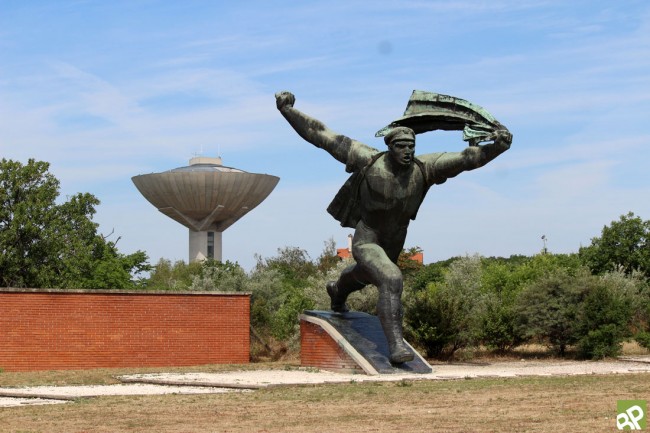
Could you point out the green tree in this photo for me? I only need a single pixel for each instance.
(166, 275)
(219, 276)
(427, 274)
(624, 244)
(293, 263)
(45, 244)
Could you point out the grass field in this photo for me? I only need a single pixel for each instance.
(548, 404)
(543, 404)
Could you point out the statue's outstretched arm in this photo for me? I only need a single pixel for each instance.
(453, 163)
(312, 130)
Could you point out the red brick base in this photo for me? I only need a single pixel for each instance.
(319, 350)
(54, 329)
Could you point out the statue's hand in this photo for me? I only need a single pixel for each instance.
(284, 99)
(502, 135)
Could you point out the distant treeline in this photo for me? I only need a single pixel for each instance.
(588, 303)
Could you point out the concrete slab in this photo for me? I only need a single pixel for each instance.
(62, 394)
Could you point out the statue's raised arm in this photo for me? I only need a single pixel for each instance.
(312, 130)
(451, 164)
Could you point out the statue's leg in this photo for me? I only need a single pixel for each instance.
(347, 283)
(379, 270)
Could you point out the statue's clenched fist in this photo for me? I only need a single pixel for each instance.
(503, 135)
(284, 99)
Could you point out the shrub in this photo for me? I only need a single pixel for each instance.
(600, 343)
(217, 276)
(166, 275)
(643, 338)
(548, 309)
(445, 317)
(604, 322)
(427, 320)
(501, 285)
(278, 287)
(499, 330)
(592, 312)
(503, 280)
(431, 273)
(633, 292)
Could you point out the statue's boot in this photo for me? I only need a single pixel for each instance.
(337, 297)
(341, 289)
(390, 316)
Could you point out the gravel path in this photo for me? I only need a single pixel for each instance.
(243, 381)
(265, 378)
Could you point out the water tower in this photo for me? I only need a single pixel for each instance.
(205, 197)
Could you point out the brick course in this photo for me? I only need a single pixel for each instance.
(319, 350)
(55, 329)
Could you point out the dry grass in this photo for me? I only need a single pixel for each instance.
(560, 404)
(570, 404)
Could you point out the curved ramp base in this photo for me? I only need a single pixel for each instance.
(351, 341)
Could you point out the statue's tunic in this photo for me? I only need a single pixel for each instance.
(371, 190)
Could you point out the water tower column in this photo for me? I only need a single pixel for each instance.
(205, 245)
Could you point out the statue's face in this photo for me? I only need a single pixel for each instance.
(402, 151)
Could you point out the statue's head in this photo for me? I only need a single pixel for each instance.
(401, 145)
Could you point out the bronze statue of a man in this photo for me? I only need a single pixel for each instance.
(379, 200)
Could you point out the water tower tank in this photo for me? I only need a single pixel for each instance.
(205, 197)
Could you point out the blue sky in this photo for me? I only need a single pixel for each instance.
(105, 90)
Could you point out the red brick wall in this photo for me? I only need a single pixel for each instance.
(319, 350)
(53, 329)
